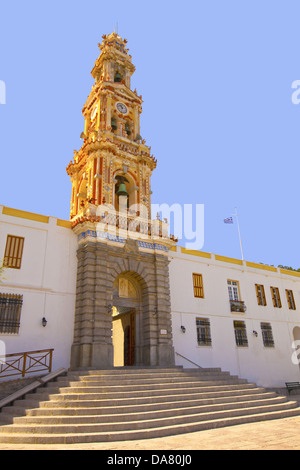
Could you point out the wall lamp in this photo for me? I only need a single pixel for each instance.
(255, 333)
(44, 322)
(183, 329)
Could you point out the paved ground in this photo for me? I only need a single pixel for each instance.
(283, 434)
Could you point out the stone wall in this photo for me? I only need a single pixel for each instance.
(8, 387)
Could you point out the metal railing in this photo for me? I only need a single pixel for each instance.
(26, 362)
(194, 363)
(237, 306)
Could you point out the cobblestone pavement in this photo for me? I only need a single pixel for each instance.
(282, 434)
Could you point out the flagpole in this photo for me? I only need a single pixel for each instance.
(237, 219)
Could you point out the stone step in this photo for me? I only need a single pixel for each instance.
(142, 423)
(97, 393)
(132, 380)
(92, 387)
(136, 380)
(37, 437)
(110, 382)
(9, 413)
(126, 415)
(141, 408)
(127, 406)
(138, 403)
(49, 439)
(209, 392)
(143, 372)
(100, 394)
(137, 370)
(147, 373)
(136, 384)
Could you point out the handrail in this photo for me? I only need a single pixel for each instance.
(197, 365)
(26, 362)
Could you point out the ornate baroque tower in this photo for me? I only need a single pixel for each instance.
(122, 312)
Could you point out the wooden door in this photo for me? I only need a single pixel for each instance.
(129, 341)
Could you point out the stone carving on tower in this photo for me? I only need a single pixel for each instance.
(110, 204)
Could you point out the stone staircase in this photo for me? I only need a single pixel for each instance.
(132, 403)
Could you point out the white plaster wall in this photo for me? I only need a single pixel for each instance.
(47, 281)
(269, 367)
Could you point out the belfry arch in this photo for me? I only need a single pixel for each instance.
(128, 183)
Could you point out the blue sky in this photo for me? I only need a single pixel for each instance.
(216, 79)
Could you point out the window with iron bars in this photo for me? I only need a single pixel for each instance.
(290, 299)
(261, 296)
(276, 297)
(267, 335)
(240, 333)
(203, 332)
(10, 313)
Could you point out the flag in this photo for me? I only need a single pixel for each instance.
(229, 220)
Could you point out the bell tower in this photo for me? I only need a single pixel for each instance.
(114, 159)
(119, 244)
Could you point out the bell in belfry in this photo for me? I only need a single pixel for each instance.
(118, 77)
(122, 191)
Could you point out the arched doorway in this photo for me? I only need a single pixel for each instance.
(296, 346)
(126, 318)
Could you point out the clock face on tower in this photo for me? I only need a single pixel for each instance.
(121, 108)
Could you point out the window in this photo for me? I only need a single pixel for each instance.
(198, 286)
(276, 297)
(203, 332)
(10, 312)
(13, 252)
(233, 290)
(267, 335)
(240, 333)
(290, 299)
(236, 305)
(260, 293)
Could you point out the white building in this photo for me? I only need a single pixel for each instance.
(64, 285)
(40, 253)
(237, 315)
(228, 313)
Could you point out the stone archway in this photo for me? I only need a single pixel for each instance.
(100, 265)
